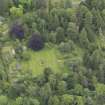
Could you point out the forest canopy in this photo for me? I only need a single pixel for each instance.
(52, 52)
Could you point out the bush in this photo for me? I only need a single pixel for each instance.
(36, 42)
(66, 47)
(16, 12)
(25, 56)
(17, 31)
(63, 47)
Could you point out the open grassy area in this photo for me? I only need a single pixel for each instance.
(42, 59)
(48, 57)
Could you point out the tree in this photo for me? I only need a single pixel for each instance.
(67, 4)
(26, 3)
(5, 62)
(66, 47)
(45, 93)
(42, 25)
(66, 99)
(71, 15)
(30, 101)
(101, 73)
(88, 19)
(91, 34)
(3, 100)
(88, 101)
(61, 87)
(96, 59)
(63, 47)
(19, 101)
(39, 4)
(70, 81)
(82, 10)
(72, 32)
(54, 100)
(4, 6)
(16, 12)
(36, 42)
(17, 31)
(60, 36)
(53, 82)
(16, 2)
(100, 100)
(52, 37)
(47, 72)
(88, 3)
(78, 90)
(16, 90)
(97, 19)
(98, 4)
(83, 40)
(53, 21)
(103, 16)
(50, 5)
(89, 26)
(78, 100)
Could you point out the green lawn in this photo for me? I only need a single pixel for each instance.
(42, 59)
(48, 57)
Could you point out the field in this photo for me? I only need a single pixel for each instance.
(49, 57)
(42, 59)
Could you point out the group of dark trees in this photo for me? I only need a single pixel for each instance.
(58, 22)
(36, 42)
(46, 89)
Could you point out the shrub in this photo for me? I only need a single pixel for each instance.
(36, 42)
(16, 12)
(17, 31)
(25, 56)
(66, 47)
(60, 37)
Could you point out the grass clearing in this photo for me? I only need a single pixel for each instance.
(42, 59)
(47, 57)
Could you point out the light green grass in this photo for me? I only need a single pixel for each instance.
(42, 59)
(48, 57)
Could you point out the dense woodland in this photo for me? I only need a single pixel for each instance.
(52, 52)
